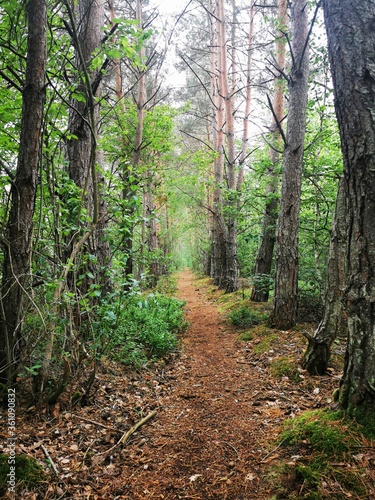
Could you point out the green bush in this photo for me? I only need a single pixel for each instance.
(137, 329)
(244, 317)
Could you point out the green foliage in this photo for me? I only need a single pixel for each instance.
(246, 336)
(27, 471)
(244, 317)
(135, 329)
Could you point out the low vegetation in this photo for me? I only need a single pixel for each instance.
(140, 328)
(324, 456)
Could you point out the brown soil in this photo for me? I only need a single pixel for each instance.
(218, 410)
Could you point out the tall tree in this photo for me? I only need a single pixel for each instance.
(219, 226)
(263, 262)
(351, 38)
(286, 281)
(82, 146)
(317, 353)
(17, 240)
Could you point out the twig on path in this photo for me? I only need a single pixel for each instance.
(231, 446)
(273, 451)
(131, 431)
(45, 451)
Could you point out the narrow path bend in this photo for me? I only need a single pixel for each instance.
(204, 442)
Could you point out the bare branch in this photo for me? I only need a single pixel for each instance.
(278, 124)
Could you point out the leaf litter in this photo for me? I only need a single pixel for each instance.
(215, 414)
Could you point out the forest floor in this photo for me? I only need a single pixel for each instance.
(214, 412)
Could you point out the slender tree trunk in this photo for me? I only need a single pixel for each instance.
(82, 148)
(231, 275)
(351, 39)
(318, 351)
(263, 262)
(286, 283)
(17, 242)
(219, 229)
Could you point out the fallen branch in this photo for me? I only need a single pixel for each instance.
(54, 468)
(130, 432)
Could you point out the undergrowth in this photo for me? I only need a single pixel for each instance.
(140, 328)
(321, 458)
(244, 317)
(28, 473)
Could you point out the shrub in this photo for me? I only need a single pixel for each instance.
(244, 317)
(137, 329)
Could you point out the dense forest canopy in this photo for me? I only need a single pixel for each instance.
(135, 142)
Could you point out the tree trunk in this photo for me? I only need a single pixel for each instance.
(219, 229)
(82, 147)
(284, 314)
(351, 39)
(263, 262)
(317, 354)
(19, 231)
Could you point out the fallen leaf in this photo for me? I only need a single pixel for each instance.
(194, 477)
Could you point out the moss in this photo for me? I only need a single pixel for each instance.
(365, 417)
(27, 471)
(285, 367)
(266, 343)
(322, 430)
(324, 442)
(246, 336)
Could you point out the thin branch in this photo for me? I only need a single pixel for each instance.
(309, 34)
(278, 124)
(10, 81)
(200, 81)
(290, 47)
(197, 139)
(131, 431)
(48, 456)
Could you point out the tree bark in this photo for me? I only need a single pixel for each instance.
(230, 205)
(317, 354)
(82, 147)
(18, 236)
(351, 39)
(263, 262)
(284, 314)
(219, 227)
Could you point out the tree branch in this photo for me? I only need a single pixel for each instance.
(278, 124)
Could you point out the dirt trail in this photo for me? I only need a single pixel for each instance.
(204, 442)
(218, 408)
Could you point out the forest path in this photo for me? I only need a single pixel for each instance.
(218, 410)
(204, 443)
